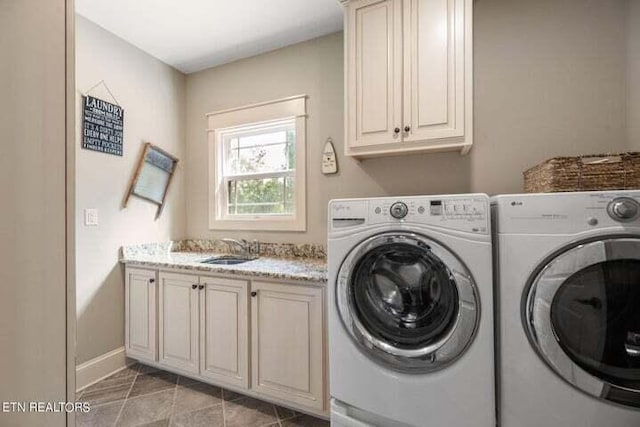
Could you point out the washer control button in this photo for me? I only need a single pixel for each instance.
(399, 210)
(593, 221)
(378, 210)
(421, 210)
(623, 209)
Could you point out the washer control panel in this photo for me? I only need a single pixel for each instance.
(463, 213)
(467, 213)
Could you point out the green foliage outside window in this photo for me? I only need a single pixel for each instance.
(264, 196)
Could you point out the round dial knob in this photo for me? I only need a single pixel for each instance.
(399, 210)
(623, 209)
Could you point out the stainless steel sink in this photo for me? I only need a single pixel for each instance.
(226, 260)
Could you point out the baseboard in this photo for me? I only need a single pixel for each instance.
(96, 369)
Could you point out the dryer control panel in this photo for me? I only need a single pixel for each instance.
(567, 213)
(468, 213)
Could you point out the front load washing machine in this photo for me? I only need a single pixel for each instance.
(568, 286)
(410, 312)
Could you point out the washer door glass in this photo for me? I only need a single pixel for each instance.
(407, 301)
(404, 294)
(583, 311)
(596, 315)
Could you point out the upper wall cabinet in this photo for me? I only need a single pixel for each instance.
(408, 76)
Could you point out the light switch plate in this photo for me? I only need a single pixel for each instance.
(91, 217)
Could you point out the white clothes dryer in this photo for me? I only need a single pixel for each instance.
(568, 286)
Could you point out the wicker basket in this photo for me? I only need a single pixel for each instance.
(585, 173)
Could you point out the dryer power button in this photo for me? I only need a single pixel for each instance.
(623, 209)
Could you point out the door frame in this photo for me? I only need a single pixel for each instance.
(70, 203)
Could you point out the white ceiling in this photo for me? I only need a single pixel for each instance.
(191, 35)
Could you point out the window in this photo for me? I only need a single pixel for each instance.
(257, 162)
(258, 169)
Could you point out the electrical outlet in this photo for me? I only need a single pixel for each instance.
(91, 217)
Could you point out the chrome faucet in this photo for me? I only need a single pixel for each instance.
(244, 246)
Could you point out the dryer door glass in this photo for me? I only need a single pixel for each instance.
(583, 313)
(407, 301)
(404, 294)
(596, 315)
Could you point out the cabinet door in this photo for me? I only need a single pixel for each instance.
(287, 343)
(178, 321)
(437, 69)
(374, 72)
(224, 334)
(140, 314)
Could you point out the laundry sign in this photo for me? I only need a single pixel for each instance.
(102, 126)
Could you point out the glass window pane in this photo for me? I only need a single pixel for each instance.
(265, 137)
(268, 150)
(289, 194)
(260, 150)
(261, 196)
(231, 191)
(230, 153)
(291, 149)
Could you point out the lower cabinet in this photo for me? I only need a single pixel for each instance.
(140, 314)
(224, 333)
(287, 343)
(263, 337)
(178, 321)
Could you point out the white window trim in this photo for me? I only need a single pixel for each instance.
(221, 122)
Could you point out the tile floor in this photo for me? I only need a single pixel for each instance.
(145, 396)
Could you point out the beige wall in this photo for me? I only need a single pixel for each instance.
(633, 74)
(32, 190)
(152, 95)
(549, 80)
(314, 68)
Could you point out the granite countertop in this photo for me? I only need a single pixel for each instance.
(290, 262)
